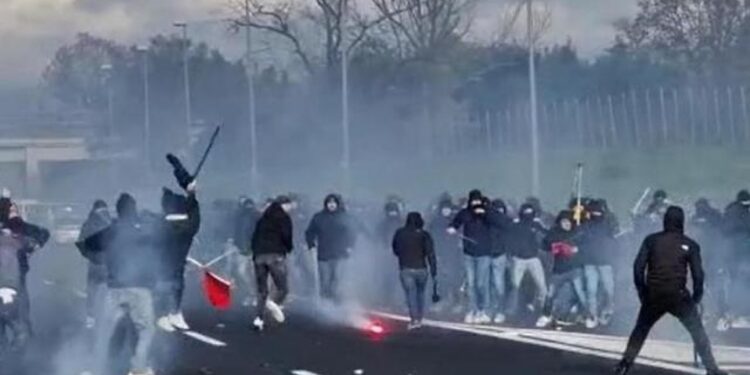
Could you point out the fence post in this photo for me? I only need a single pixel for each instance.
(589, 131)
(663, 115)
(649, 127)
(625, 117)
(600, 126)
(676, 124)
(612, 122)
(579, 124)
(730, 98)
(488, 130)
(634, 104)
(717, 118)
(746, 120)
(693, 124)
(706, 114)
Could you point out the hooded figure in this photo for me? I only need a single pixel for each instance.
(415, 251)
(526, 237)
(131, 254)
(331, 232)
(96, 277)
(245, 220)
(178, 226)
(448, 252)
(660, 274)
(271, 243)
(478, 222)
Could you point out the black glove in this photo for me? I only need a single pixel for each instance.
(180, 173)
(435, 296)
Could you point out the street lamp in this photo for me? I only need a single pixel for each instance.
(250, 72)
(106, 70)
(146, 106)
(535, 175)
(345, 147)
(186, 73)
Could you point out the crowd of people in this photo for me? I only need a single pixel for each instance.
(490, 261)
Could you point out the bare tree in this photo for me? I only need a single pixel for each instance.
(425, 28)
(695, 31)
(341, 24)
(511, 30)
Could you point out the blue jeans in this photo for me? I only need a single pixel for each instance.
(329, 273)
(595, 275)
(414, 282)
(138, 305)
(566, 289)
(496, 286)
(519, 268)
(477, 282)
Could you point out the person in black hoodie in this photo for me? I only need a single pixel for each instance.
(660, 274)
(566, 285)
(130, 253)
(737, 233)
(96, 277)
(414, 248)
(448, 253)
(271, 243)
(477, 221)
(599, 249)
(525, 241)
(331, 233)
(179, 224)
(240, 263)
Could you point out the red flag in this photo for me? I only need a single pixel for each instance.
(218, 290)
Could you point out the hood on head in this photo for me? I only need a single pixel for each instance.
(392, 208)
(5, 204)
(333, 197)
(475, 195)
(500, 206)
(674, 220)
(660, 195)
(414, 220)
(744, 197)
(527, 212)
(565, 215)
(126, 206)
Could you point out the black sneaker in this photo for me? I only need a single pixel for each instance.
(622, 368)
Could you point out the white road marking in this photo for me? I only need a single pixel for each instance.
(205, 339)
(302, 372)
(658, 354)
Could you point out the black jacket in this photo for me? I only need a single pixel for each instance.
(525, 239)
(36, 237)
(478, 229)
(562, 263)
(332, 233)
(598, 244)
(414, 247)
(97, 221)
(177, 230)
(130, 251)
(662, 264)
(273, 232)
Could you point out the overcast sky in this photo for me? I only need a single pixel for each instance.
(31, 30)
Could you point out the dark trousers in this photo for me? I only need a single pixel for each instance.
(329, 273)
(682, 307)
(272, 265)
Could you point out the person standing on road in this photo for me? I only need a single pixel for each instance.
(96, 277)
(660, 274)
(331, 232)
(477, 221)
(415, 251)
(526, 238)
(271, 243)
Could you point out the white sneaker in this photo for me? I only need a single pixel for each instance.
(591, 323)
(470, 318)
(146, 372)
(543, 321)
(483, 318)
(178, 321)
(276, 312)
(165, 323)
(723, 325)
(499, 318)
(258, 324)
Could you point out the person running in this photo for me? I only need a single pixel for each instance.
(416, 253)
(271, 244)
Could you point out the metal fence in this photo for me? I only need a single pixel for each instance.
(633, 119)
